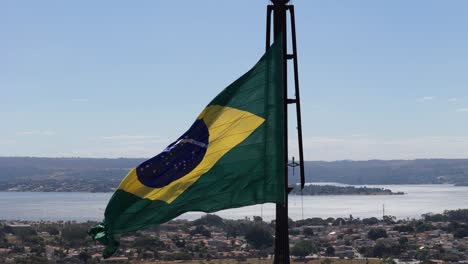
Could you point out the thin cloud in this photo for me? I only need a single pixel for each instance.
(426, 98)
(128, 151)
(462, 109)
(37, 133)
(129, 137)
(116, 146)
(453, 100)
(130, 140)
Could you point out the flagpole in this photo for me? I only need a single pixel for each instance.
(281, 227)
(279, 10)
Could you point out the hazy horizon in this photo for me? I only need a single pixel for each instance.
(143, 158)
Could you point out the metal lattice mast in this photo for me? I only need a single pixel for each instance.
(279, 9)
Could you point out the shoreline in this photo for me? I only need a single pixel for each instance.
(333, 194)
(321, 184)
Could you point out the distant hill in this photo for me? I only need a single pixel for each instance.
(63, 174)
(419, 171)
(26, 167)
(87, 174)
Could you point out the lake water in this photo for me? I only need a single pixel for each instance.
(419, 199)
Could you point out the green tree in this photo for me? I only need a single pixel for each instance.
(201, 230)
(389, 219)
(308, 232)
(339, 221)
(422, 254)
(231, 229)
(84, 257)
(257, 219)
(370, 221)
(404, 228)
(330, 251)
(302, 249)
(149, 243)
(180, 243)
(209, 220)
(386, 249)
(75, 234)
(52, 230)
(457, 215)
(259, 236)
(423, 226)
(376, 233)
(24, 233)
(448, 257)
(461, 233)
(403, 241)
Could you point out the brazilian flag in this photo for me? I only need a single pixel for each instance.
(231, 156)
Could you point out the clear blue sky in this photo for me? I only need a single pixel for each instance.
(379, 79)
